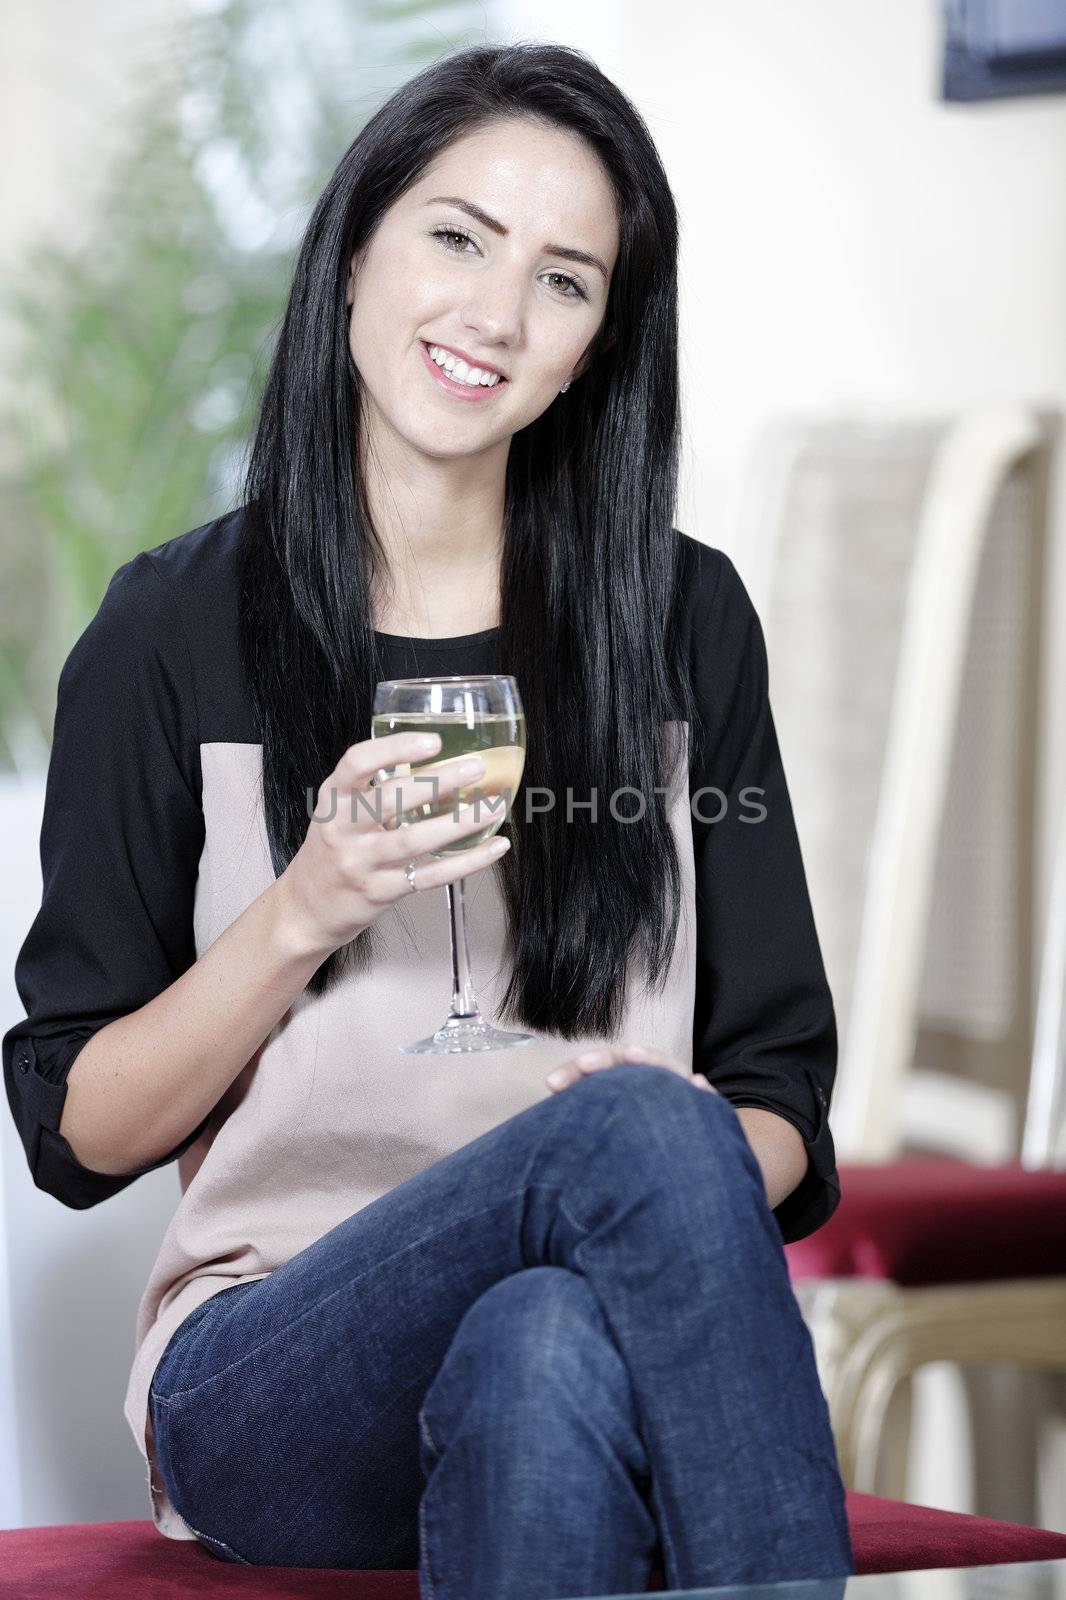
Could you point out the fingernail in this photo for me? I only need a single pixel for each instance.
(429, 742)
(499, 847)
(556, 1078)
(588, 1058)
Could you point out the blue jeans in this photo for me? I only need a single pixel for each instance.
(565, 1350)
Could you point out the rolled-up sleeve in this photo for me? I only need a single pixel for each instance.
(764, 1026)
(120, 845)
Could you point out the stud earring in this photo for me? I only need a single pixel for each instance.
(565, 386)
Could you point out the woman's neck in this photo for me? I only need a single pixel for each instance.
(457, 600)
(440, 525)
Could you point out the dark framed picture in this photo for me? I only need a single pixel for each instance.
(1003, 47)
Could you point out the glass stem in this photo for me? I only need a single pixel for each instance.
(464, 1000)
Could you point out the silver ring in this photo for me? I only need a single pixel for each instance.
(409, 871)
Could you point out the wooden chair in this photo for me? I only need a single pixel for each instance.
(898, 564)
(955, 1261)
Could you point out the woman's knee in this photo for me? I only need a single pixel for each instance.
(653, 1110)
(645, 1138)
(542, 1323)
(534, 1343)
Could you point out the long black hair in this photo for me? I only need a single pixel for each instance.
(591, 568)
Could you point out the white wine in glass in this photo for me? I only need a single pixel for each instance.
(476, 716)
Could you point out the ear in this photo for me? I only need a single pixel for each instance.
(349, 292)
(595, 349)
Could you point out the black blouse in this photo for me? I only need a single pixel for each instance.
(156, 674)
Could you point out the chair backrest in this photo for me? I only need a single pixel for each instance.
(896, 564)
(1044, 1141)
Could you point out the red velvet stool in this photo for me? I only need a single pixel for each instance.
(132, 1561)
(922, 1220)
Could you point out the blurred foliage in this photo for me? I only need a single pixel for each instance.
(141, 356)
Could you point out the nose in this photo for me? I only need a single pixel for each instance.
(494, 316)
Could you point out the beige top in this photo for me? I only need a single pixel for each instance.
(328, 1115)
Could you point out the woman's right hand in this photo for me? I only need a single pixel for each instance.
(350, 867)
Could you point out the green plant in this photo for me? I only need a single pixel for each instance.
(141, 356)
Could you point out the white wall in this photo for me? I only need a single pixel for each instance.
(852, 240)
(847, 238)
(69, 1281)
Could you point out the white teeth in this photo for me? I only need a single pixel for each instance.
(457, 369)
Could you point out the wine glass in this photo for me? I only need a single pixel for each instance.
(482, 716)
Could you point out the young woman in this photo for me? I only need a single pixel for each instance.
(427, 1310)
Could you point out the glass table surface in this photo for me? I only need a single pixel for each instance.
(1008, 1580)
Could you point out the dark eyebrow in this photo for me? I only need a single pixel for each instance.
(567, 253)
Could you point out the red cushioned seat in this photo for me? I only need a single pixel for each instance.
(131, 1561)
(938, 1220)
(895, 1536)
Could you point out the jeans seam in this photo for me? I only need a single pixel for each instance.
(427, 1436)
(209, 1538)
(574, 1223)
(423, 1539)
(175, 1350)
(412, 1244)
(423, 1531)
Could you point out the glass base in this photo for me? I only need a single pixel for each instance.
(461, 1034)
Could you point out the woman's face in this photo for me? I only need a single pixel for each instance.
(509, 296)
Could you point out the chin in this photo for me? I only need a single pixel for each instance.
(437, 447)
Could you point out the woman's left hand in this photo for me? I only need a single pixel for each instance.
(611, 1055)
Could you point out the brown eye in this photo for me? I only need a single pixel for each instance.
(573, 291)
(452, 233)
(578, 292)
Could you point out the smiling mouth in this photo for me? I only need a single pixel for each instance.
(500, 379)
